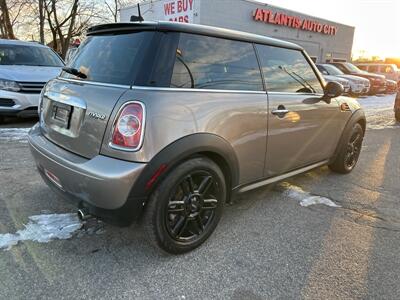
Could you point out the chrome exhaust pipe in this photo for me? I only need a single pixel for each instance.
(83, 214)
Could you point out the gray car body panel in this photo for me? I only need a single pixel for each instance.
(307, 134)
(225, 114)
(86, 133)
(101, 181)
(236, 128)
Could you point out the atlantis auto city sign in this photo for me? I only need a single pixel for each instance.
(281, 19)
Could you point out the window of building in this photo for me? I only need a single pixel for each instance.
(287, 70)
(204, 62)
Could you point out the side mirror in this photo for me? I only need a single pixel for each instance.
(333, 89)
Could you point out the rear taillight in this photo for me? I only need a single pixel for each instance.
(128, 128)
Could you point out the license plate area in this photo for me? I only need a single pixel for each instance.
(61, 114)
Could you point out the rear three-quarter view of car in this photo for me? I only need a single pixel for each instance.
(25, 67)
(161, 123)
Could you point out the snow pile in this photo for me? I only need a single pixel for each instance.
(304, 198)
(379, 111)
(42, 229)
(14, 134)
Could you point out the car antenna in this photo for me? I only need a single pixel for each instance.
(137, 18)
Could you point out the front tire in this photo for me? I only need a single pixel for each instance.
(186, 206)
(349, 150)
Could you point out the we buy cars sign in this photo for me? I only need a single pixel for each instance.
(178, 10)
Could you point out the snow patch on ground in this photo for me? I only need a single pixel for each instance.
(379, 111)
(43, 229)
(304, 198)
(14, 134)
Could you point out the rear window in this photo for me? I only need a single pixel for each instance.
(20, 55)
(204, 62)
(113, 59)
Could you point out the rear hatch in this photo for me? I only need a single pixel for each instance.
(75, 111)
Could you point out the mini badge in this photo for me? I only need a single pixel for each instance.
(97, 116)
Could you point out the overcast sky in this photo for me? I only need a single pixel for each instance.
(377, 22)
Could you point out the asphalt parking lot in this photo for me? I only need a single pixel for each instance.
(268, 245)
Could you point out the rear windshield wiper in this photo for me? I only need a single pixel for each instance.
(74, 72)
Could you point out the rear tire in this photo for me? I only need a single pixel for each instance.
(349, 150)
(186, 206)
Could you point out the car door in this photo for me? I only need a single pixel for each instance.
(302, 128)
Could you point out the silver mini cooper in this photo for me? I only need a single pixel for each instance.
(162, 122)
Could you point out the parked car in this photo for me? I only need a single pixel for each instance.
(25, 67)
(344, 82)
(378, 82)
(131, 132)
(390, 71)
(391, 87)
(70, 54)
(397, 106)
(358, 85)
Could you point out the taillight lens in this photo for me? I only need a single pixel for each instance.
(128, 127)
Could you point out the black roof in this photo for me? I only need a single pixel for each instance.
(191, 28)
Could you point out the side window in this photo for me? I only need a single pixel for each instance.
(341, 68)
(387, 69)
(322, 70)
(204, 62)
(373, 69)
(364, 68)
(287, 70)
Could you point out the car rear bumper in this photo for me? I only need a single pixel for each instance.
(101, 184)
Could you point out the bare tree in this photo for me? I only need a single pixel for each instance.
(67, 19)
(113, 7)
(41, 20)
(58, 21)
(6, 24)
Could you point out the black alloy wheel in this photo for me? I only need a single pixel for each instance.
(353, 149)
(186, 206)
(192, 206)
(349, 150)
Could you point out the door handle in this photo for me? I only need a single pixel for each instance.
(281, 111)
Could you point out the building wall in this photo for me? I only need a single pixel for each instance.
(238, 15)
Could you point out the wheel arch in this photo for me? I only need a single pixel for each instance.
(357, 117)
(208, 145)
(363, 123)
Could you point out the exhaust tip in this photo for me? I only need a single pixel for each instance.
(83, 214)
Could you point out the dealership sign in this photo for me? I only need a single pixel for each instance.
(178, 11)
(281, 19)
